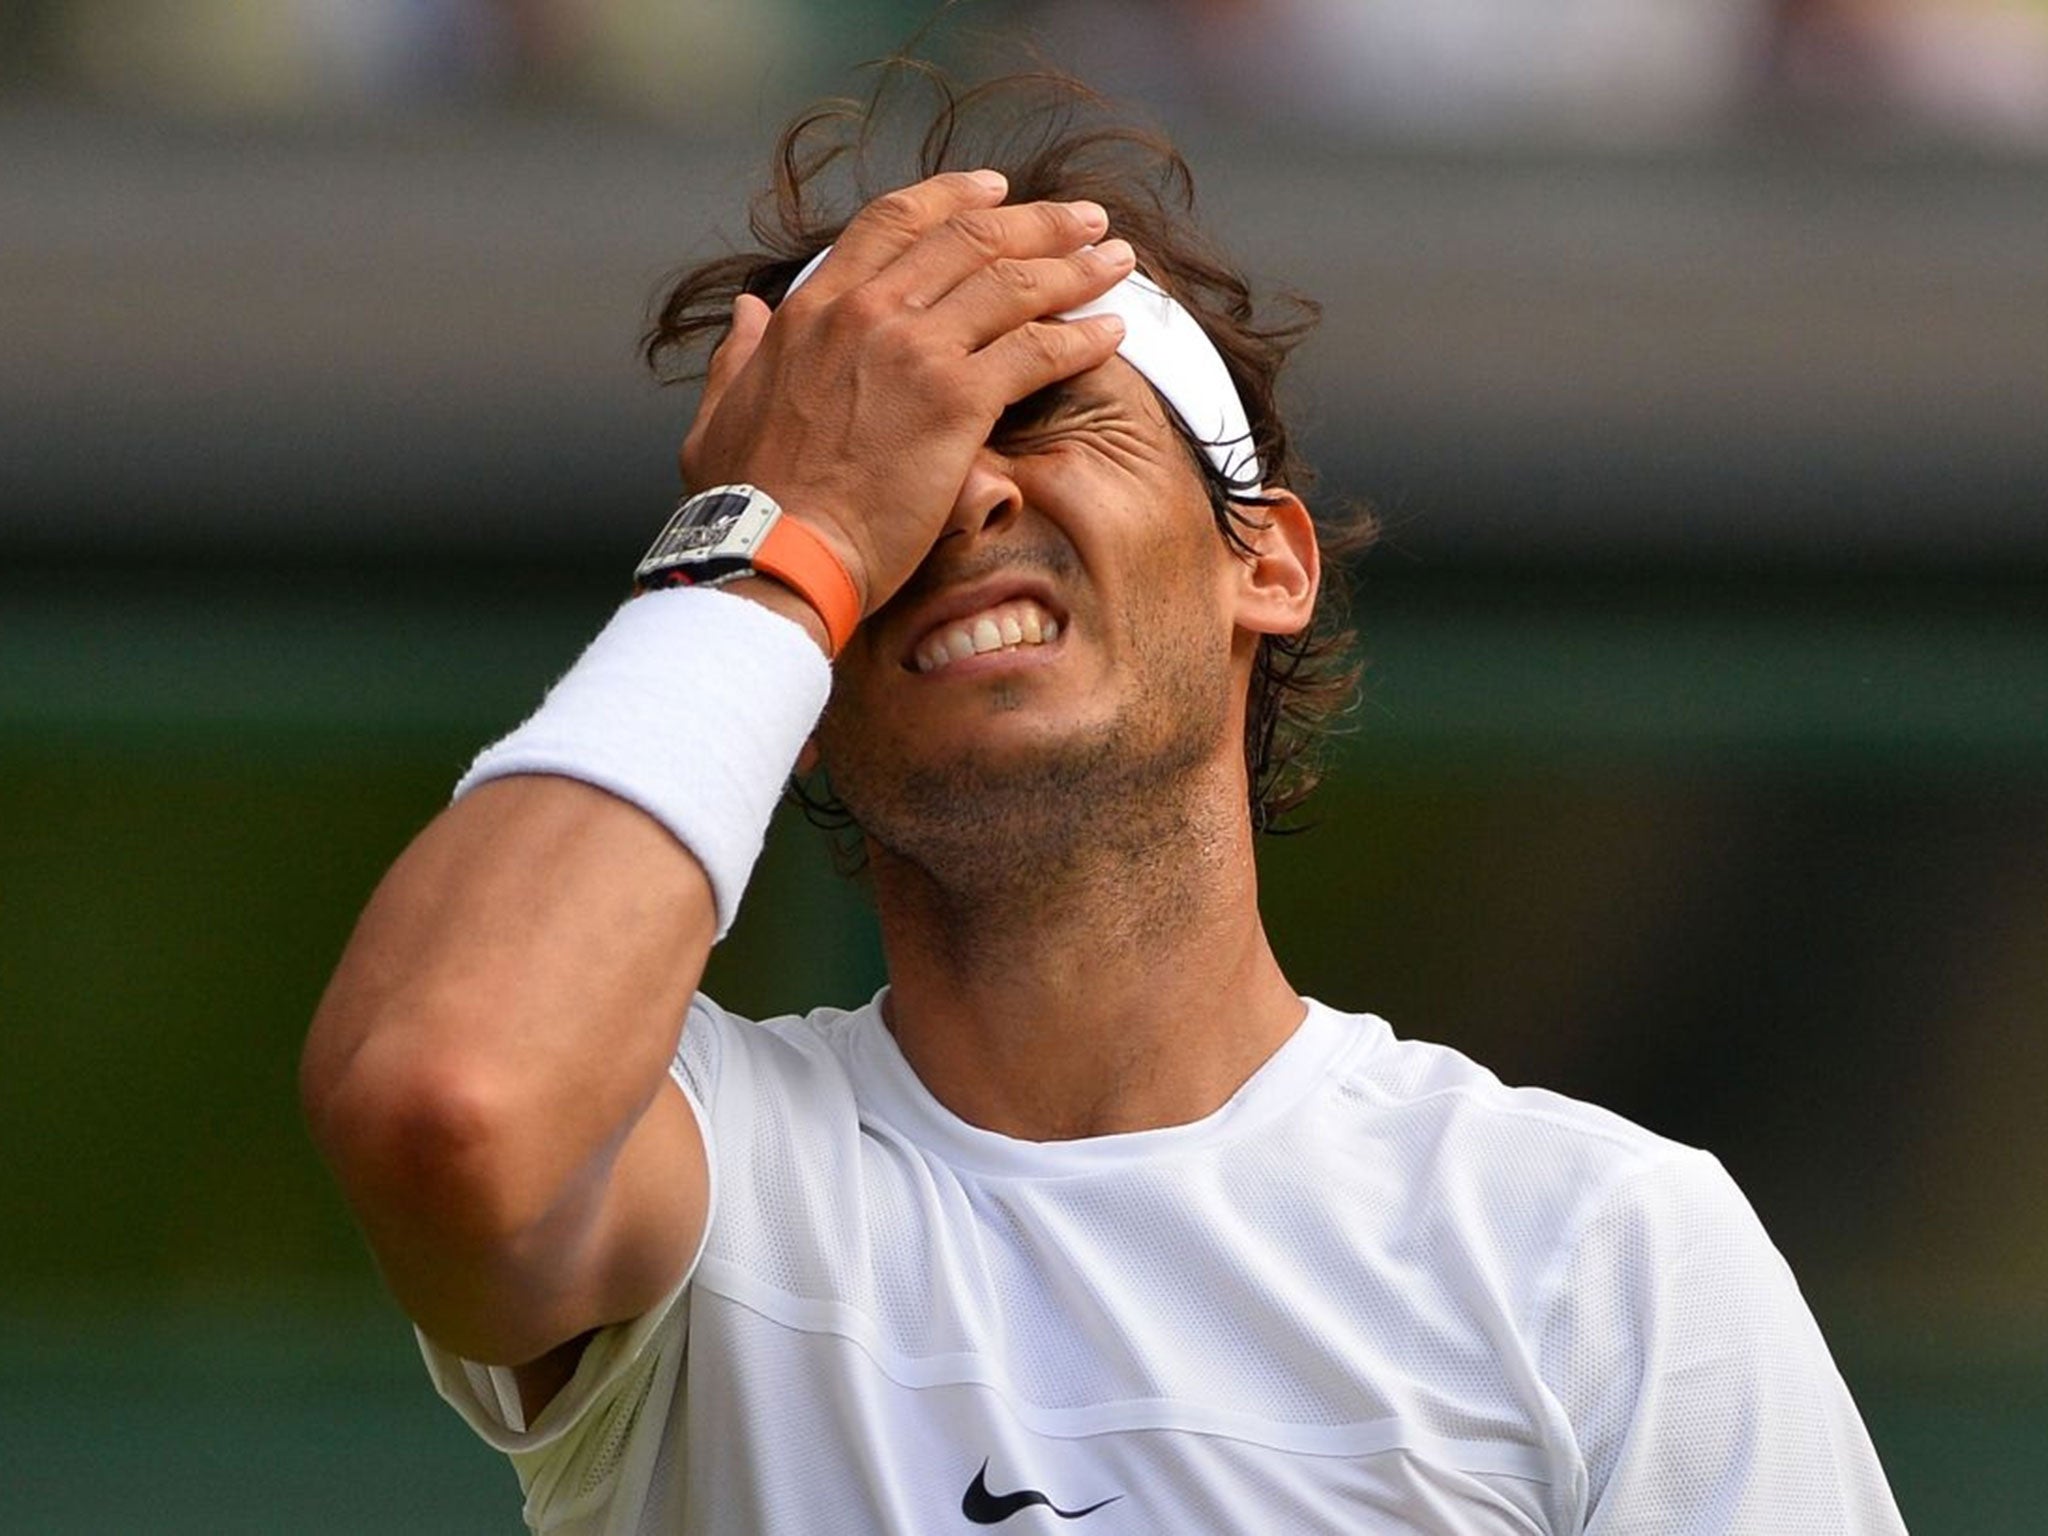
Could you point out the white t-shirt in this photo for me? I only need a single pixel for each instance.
(1376, 1291)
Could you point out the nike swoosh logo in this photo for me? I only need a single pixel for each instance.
(985, 1508)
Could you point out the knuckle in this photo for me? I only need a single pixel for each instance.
(891, 345)
(1019, 276)
(1062, 220)
(1059, 343)
(979, 230)
(862, 309)
(1047, 345)
(884, 339)
(927, 372)
(899, 210)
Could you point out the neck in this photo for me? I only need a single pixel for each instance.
(1113, 977)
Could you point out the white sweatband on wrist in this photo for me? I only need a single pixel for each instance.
(1167, 345)
(691, 704)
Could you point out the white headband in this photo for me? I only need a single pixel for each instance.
(1169, 347)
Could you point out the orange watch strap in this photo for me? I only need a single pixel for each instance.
(805, 563)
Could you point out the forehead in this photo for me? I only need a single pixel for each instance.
(1116, 375)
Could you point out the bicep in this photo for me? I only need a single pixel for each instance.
(604, 1254)
(638, 1247)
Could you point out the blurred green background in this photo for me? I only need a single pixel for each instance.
(1702, 769)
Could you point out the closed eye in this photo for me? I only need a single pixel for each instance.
(1057, 407)
(1030, 413)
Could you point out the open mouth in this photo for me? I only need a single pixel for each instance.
(1018, 624)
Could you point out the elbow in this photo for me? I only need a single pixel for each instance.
(420, 1141)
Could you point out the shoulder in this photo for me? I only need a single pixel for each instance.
(1527, 1156)
(1427, 1079)
(1572, 1219)
(792, 1049)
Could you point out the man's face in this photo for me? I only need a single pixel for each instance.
(1070, 642)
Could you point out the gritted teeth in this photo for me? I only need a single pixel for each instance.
(1001, 628)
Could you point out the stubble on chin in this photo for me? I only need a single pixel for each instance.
(978, 858)
(983, 841)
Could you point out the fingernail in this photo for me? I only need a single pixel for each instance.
(1091, 215)
(993, 181)
(1115, 253)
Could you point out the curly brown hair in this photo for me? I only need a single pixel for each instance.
(1058, 140)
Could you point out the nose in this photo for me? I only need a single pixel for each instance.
(988, 497)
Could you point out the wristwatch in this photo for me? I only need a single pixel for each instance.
(732, 531)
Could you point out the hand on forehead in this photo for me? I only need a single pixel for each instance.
(862, 400)
(1162, 340)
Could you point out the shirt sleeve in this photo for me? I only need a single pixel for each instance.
(602, 1431)
(1701, 1393)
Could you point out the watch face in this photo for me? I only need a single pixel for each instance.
(704, 523)
(712, 536)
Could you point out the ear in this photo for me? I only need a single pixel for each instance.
(1276, 586)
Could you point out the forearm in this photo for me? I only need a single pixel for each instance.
(488, 1072)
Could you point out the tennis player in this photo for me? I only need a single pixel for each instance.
(1089, 1219)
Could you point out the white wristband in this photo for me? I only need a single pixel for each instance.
(691, 704)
